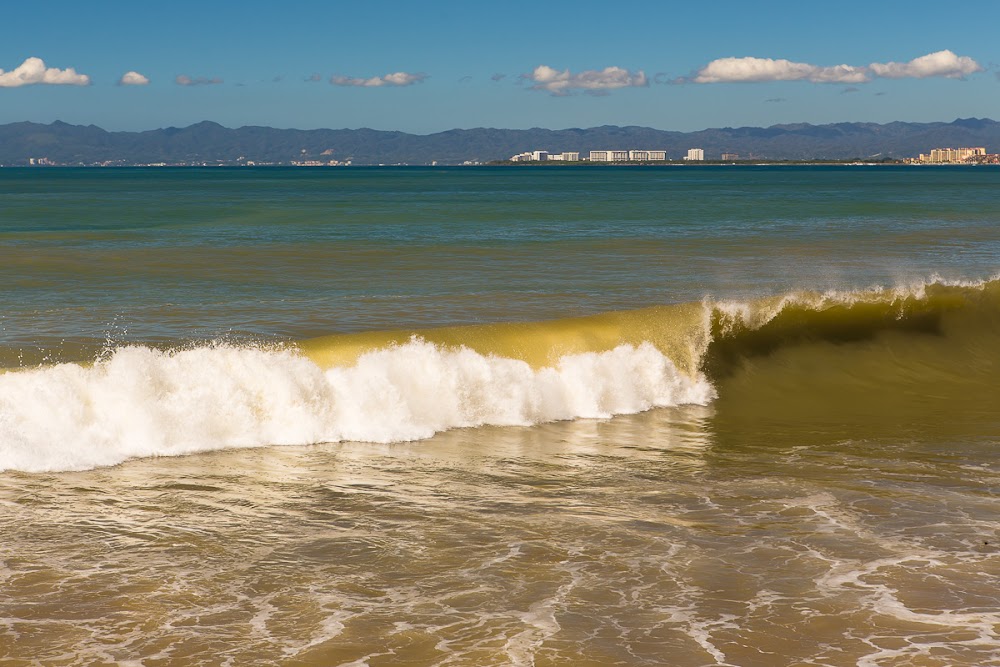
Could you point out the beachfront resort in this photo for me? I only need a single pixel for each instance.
(976, 155)
(696, 154)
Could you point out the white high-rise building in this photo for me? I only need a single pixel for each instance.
(695, 154)
(609, 156)
(647, 156)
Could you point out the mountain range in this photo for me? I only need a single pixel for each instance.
(211, 143)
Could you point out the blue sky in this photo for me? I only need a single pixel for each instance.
(431, 66)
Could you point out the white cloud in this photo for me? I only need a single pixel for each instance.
(33, 70)
(736, 70)
(394, 79)
(750, 69)
(184, 80)
(132, 78)
(942, 63)
(592, 80)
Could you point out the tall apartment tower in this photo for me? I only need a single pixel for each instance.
(696, 154)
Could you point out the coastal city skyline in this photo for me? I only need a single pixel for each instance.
(429, 68)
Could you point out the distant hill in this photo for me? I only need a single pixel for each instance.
(212, 143)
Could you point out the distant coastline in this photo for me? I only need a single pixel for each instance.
(677, 164)
(210, 144)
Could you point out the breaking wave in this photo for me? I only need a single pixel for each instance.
(387, 387)
(146, 402)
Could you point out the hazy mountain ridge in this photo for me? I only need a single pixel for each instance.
(210, 142)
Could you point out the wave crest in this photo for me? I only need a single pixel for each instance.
(146, 402)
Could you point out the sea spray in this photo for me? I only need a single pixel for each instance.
(145, 402)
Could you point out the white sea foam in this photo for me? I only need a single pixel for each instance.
(143, 402)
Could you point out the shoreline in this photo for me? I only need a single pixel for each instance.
(581, 164)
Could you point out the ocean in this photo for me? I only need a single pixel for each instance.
(685, 415)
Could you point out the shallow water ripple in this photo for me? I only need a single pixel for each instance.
(563, 543)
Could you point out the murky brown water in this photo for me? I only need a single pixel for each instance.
(651, 539)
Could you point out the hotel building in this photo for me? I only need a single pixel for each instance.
(545, 156)
(609, 156)
(647, 156)
(954, 155)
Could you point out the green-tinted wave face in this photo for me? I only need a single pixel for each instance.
(921, 354)
(678, 331)
(882, 364)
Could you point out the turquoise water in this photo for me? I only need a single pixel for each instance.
(500, 416)
(161, 254)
